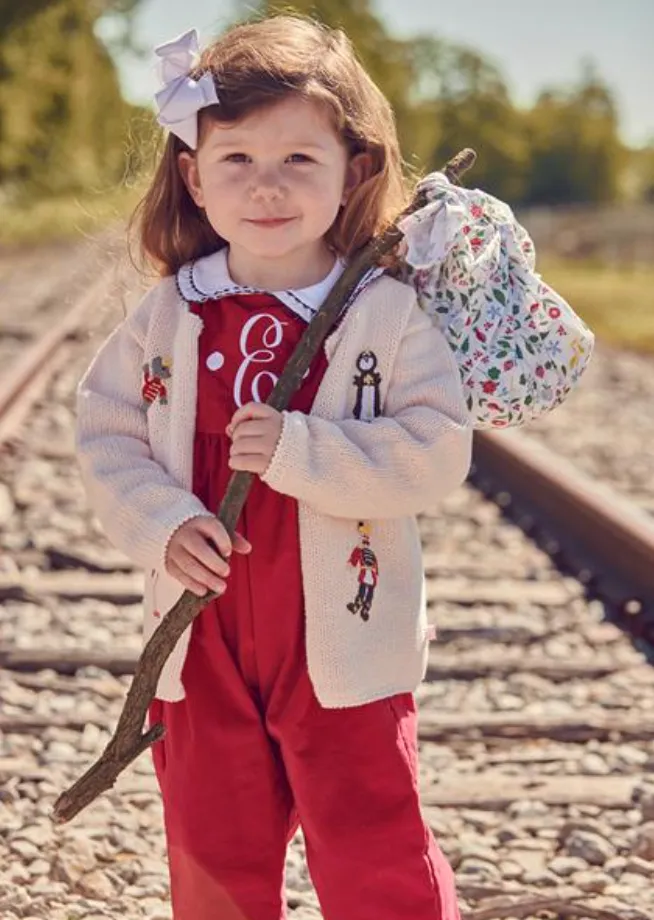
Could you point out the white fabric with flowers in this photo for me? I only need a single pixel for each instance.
(519, 346)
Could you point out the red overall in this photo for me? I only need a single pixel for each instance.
(249, 753)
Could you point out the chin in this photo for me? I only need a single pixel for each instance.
(270, 250)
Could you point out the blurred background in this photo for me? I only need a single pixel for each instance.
(557, 98)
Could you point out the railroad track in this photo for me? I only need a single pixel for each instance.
(537, 732)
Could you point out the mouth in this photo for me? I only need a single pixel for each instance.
(271, 221)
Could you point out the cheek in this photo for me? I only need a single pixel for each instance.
(324, 189)
(219, 183)
(223, 195)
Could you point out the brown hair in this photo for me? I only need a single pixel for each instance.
(255, 65)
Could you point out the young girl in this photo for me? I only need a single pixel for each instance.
(289, 700)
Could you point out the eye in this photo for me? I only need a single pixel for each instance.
(236, 158)
(300, 158)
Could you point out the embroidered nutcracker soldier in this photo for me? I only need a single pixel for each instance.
(364, 558)
(153, 382)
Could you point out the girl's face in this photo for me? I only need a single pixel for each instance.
(272, 185)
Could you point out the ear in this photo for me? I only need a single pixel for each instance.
(188, 168)
(358, 168)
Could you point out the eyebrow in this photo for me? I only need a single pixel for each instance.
(241, 142)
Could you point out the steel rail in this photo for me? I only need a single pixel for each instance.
(25, 380)
(600, 533)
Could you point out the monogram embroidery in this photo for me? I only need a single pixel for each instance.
(271, 338)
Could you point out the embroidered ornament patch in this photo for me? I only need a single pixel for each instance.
(364, 559)
(367, 405)
(154, 388)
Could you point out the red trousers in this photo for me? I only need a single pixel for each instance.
(249, 753)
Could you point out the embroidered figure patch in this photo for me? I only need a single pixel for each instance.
(364, 559)
(154, 387)
(367, 405)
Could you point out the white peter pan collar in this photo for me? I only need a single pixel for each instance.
(208, 278)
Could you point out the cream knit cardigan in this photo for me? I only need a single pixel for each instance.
(136, 464)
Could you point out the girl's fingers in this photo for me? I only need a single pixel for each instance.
(248, 463)
(211, 528)
(197, 546)
(190, 583)
(248, 446)
(198, 573)
(252, 410)
(254, 428)
(241, 545)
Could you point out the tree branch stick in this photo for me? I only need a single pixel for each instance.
(128, 740)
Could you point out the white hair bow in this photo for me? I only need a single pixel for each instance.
(181, 97)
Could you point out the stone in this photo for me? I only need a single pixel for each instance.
(636, 880)
(594, 765)
(640, 866)
(159, 912)
(19, 873)
(646, 803)
(565, 866)
(480, 869)
(39, 867)
(592, 880)
(615, 866)
(38, 834)
(76, 858)
(644, 843)
(7, 506)
(632, 756)
(591, 847)
(24, 849)
(540, 877)
(510, 870)
(525, 808)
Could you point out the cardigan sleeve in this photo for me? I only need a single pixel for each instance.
(135, 499)
(401, 463)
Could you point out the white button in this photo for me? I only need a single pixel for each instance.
(215, 361)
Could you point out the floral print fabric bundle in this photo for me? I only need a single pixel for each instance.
(519, 346)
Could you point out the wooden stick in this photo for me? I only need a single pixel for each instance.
(128, 741)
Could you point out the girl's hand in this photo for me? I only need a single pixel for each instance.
(192, 559)
(254, 429)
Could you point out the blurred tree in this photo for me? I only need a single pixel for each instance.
(63, 121)
(12, 13)
(576, 152)
(638, 180)
(461, 100)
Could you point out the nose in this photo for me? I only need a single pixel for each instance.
(266, 185)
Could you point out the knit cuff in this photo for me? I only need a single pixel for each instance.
(274, 472)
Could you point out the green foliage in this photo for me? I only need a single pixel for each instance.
(638, 177)
(576, 154)
(462, 101)
(63, 122)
